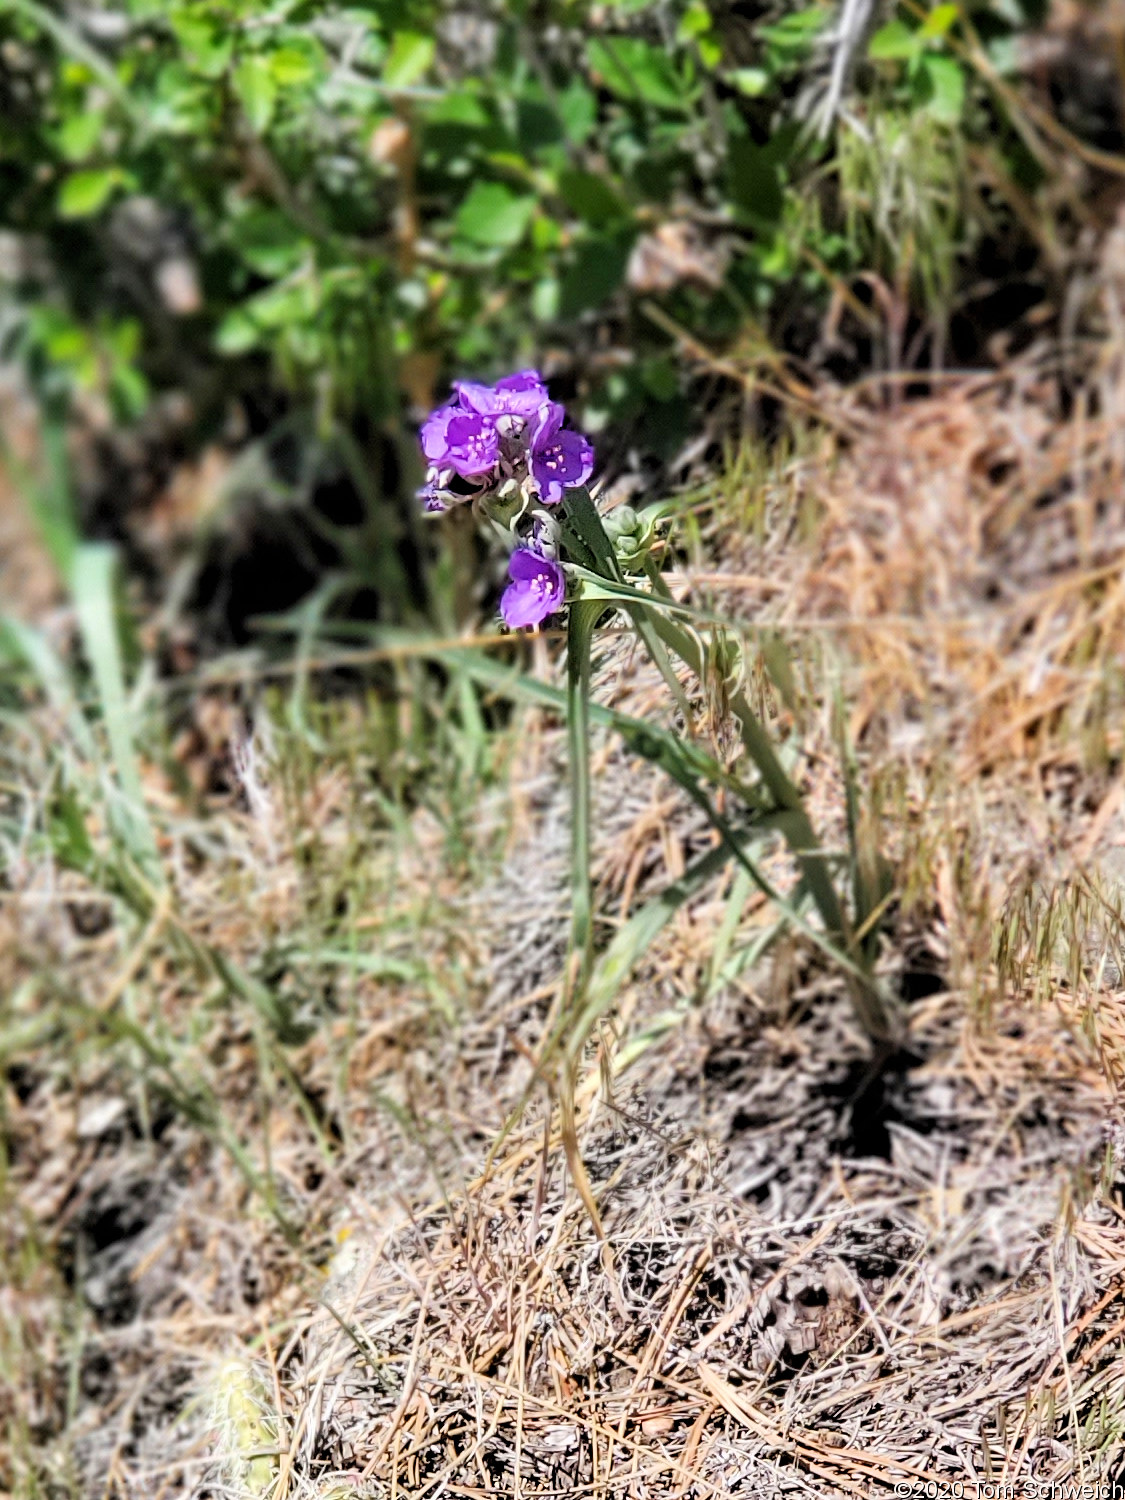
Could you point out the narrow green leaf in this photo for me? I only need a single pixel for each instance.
(648, 740)
(70, 838)
(48, 497)
(790, 819)
(871, 872)
(799, 831)
(631, 942)
(741, 888)
(779, 664)
(95, 602)
(32, 646)
(870, 1004)
(582, 517)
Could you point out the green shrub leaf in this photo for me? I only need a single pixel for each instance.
(578, 111)
(298, 62)
(940, 20)
(894, 42)
(256, 87)
(494, 215)
(207, 47)
(591, 197)
(941, 87)
(754, 182)
(633, 69)
(80, 134)
(84, 193)
(408, 60)
(237, 333)
(595, 273)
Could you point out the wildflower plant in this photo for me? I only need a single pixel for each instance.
(506, 452)
(504, 449)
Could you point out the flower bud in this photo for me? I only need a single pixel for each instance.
(621, 522)
(632, 536)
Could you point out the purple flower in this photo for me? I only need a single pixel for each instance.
(465, 442)
(519, 395)
(559, 462)
(504, 438)
(537, 589)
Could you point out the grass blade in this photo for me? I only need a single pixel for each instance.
(637, 734)
(32, 647)
(49, 500)
(92, 582)
(634, 938)
(798, 829)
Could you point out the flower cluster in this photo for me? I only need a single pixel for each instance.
(504, 448)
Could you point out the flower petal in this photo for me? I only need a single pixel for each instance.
(433, 434)
(538, 589)
(566, 463)
(524, 565)
(472, 444)
(545, 424)
(522, 380)
(517, 395)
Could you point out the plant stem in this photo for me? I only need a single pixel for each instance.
(580, 633)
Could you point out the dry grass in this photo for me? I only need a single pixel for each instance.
(975, 540)
(767, 1311)
(815, 1280)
